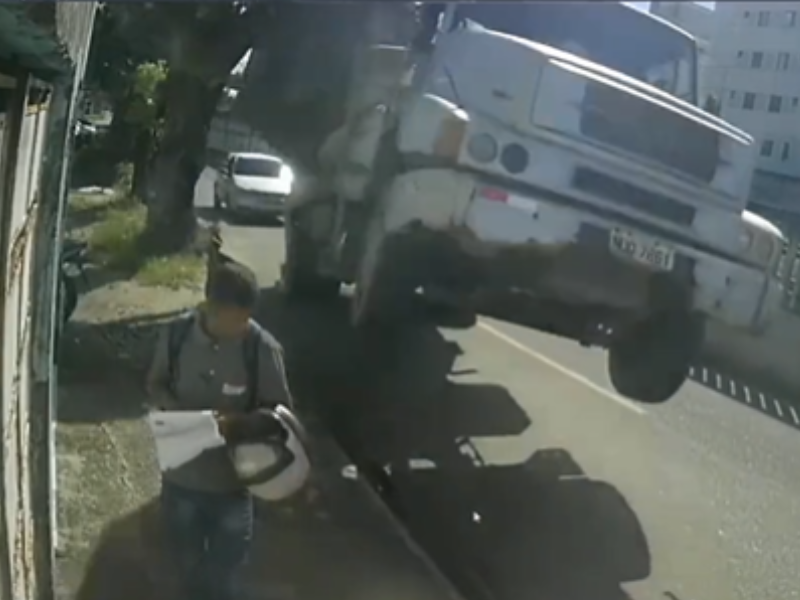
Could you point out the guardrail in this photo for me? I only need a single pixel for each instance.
(788, 271)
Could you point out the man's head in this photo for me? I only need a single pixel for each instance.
(230, 299)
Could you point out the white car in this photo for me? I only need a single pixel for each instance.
(253, 183)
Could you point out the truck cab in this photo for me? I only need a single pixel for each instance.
(547, 164)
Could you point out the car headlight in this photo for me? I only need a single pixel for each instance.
(482, 148)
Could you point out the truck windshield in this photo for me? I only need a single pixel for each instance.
(257, 167)
(610, 34)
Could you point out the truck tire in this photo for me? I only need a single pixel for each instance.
(299, 278)
(650, 361)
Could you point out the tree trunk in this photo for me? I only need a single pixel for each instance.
(142, 152)
(189, 107)
(299, 75)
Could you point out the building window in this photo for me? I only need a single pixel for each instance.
(757, 60)
(783, 61)
(746, 14)
(763, 18)
(785, 151)
(795, 102)
(749, 101)
(791, 18)
(766, 148)
(732, 95)
(774, 105)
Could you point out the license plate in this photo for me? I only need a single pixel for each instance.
(642, 249)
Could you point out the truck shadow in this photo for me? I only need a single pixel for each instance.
(537, 529)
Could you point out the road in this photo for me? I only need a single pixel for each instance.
(524, 476)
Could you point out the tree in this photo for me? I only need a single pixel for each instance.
(298, 78)
(206, 41)
(112, 67)
(309, 51)
(142, 113)
(194, 46)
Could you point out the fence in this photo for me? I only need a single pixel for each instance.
(788, 271)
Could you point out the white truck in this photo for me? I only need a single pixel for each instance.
(547, 164)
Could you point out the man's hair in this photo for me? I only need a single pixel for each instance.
(233, 285)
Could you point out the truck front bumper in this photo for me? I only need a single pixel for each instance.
(463, 233)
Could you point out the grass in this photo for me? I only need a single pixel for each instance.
(117, 242)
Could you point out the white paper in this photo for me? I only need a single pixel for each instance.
(181, 436)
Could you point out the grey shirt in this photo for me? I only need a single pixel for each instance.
(212, 375)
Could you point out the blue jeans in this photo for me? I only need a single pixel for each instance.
(211, 535)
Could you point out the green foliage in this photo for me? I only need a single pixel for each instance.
(146, 81)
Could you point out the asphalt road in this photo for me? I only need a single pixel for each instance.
(524, 476)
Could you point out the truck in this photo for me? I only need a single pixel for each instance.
(548, 164)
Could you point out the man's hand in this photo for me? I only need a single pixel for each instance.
(239, 427)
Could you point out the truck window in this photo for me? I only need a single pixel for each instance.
(257, 167)
(610, 34)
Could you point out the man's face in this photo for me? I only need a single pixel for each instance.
(227, 321)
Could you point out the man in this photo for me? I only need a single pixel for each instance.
(207, 511)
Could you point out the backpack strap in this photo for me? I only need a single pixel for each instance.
(250, 347)
(176, 336)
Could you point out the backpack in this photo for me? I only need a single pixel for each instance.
(176, 336)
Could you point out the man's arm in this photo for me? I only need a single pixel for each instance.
(273, 389)
(157, 379)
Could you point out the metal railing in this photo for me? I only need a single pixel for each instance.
(788, 271)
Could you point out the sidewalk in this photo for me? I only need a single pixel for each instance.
(342, 545)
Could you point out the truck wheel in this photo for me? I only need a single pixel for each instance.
(300, 279)
(651, 360)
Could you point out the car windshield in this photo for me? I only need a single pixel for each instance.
(609, 34)
(248, 166)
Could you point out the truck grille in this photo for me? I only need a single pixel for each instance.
(623, 193)
(643, 128)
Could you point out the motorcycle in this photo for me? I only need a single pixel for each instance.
(74, 258)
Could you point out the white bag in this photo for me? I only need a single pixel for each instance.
(275, 471)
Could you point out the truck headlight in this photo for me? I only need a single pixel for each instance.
(482, 148)
(759, 246)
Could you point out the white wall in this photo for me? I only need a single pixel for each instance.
(756, 51)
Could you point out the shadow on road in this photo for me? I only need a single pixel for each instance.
(537, 530)
(212, 215)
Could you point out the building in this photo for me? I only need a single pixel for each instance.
(699, 21)
(44, 48)
(755, 51)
